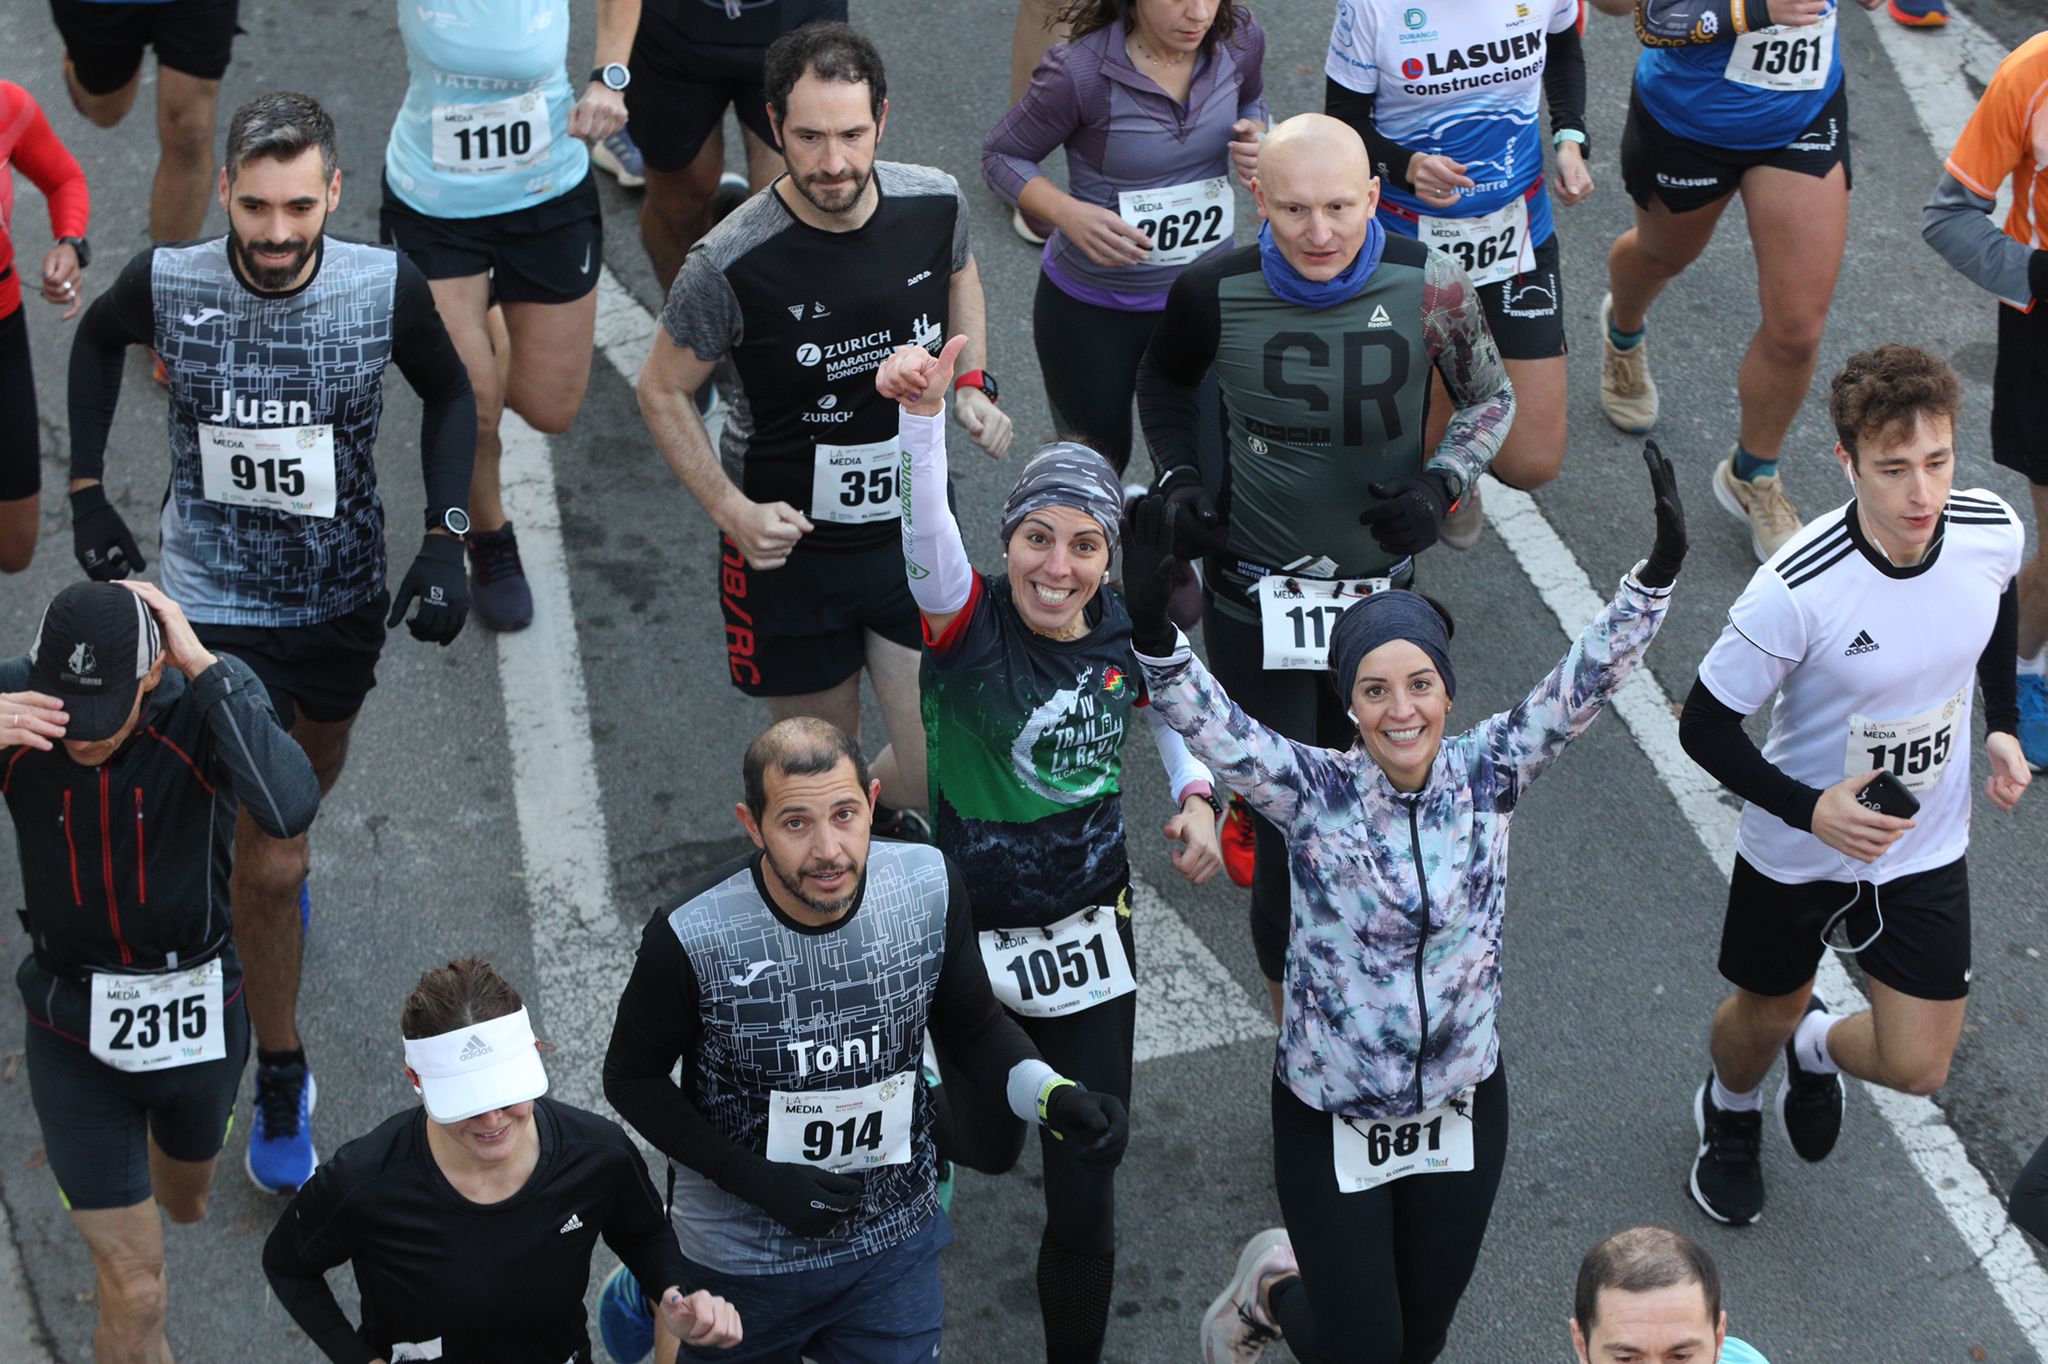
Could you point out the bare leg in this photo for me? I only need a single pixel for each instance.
(551, 346)
(1749, 1032)
(127, 1246)
(102, 111)
(840, 705)
(1799, 227)
(764, 163)
(20, 523)
(464, 305)
(181, 1186)
(1653, 253)
(1899, 1042)
(184, 169)
(1533, 453)
(1034, 36)
(901, 766)
(676, 210)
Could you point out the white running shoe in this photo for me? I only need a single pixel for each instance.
(1627, 392)
(1235, 1329)
(1761, 503)
(1021, 225)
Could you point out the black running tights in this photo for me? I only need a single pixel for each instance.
(1381, 1271)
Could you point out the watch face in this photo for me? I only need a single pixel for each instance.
(456, 520)
(616, 76)
(988, 386)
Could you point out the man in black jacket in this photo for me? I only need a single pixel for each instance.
(123, 771)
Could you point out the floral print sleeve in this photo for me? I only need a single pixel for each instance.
(1463, 350)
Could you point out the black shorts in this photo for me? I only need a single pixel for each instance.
(1770, 941)
(802, 628)
(321, 671)
(1525, 312)
(2019, 393)
(549, 253)
(105, 42)
(1687, 175)
(96, 1120)
(679, 94)
(21, 437)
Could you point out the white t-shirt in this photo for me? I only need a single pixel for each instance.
(1873, 666)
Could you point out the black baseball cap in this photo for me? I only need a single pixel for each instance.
(95, 645)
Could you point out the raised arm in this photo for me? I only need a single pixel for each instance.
(934, 555)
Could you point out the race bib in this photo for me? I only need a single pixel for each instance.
(1297, 615)
(1074, 964)
(1183, 221)
(285, 468)
(1782, 58)
(505, 134)
(852, 485)
(1492, 248)
(843, 1129)
(1369, 1153)
(158, 1022)
(1916, 750)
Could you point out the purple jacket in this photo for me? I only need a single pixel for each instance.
(1123, 132)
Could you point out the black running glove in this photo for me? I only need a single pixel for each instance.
(1202, 530)
(105, 548)
(1661, 568)
(436, 579)
(1150, 527)
(1410, 513)
(1096, 1124)
(807, 1200)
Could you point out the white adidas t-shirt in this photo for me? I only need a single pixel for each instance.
(1873, 666)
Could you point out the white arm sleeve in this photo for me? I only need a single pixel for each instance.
(1183, 769)
(941, 578)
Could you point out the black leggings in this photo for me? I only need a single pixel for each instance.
(1077, 1253)
(21, 459)
(1297, 704)
(1381, 1271)
(1089, 357)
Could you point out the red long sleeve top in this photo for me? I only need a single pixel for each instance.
(29, 145)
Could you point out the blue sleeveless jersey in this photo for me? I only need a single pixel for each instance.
(1688, 90)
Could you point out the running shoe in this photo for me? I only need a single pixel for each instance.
(305, 908)
(625, 1319)
(157, 372)
(281, 1155)
(1462, 528)
(1919, 13)
(1033, 230)
(906, 826)
(1809, 1104)
(1761, 503)
(1240, 847)
(618, 157)
(1627, 392)
(1728, 1173)
(2034, 720)
(498, 590)
(1235, 1329)
(710, 402)
(732, 191)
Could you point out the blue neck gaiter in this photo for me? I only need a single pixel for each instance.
(1287, 283)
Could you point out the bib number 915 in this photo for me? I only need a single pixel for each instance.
(281, 474)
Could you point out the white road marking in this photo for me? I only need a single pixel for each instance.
(1187, 1001)
(1973, 1207)
(1936, 67)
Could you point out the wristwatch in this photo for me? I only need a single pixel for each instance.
(978, 378)
(79, 245)
(612, 76)
(1564, 135)
(1454, 485)
(454, 520)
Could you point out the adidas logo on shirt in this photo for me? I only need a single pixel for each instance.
(1862, 644)
(1379, 317)
(474, 1048)
(574, 1223)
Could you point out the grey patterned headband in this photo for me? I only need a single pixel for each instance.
(1067, 474)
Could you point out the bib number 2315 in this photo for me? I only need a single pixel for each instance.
(158, 1022)
(1369, 1153)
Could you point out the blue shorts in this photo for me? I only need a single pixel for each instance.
(887, 1309)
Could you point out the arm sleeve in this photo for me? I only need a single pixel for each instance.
(2030, 1195)
(1042, 120)
(1184, 771)
(1564, 80)
(978, 1035)
(308, 1240)
(934, 555)
(1389, 158)
(50, 166)
(1956, 222)
(1712, 736)
(1691, 23)
(1462, 348)
(121, 317)
(267, 770)
(658, 1025)
(637, 1229)
(1994, 666)
(1182, 349)
(429, 362)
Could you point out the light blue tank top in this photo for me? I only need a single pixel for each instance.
(485, 124)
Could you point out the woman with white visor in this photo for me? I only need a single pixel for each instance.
(470, 1222)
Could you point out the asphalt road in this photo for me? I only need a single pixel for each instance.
(1616, 906)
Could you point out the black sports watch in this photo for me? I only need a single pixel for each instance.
(612, 76)
(81, 246)
(1454, 485)
(978, 378)
(454, 520)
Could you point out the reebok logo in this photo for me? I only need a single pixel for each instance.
(474, 1048)
(574, 1223)
(1379, 317)
(752, 974)
(1862, 644)
(202, 316)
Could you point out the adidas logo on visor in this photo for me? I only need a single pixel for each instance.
(474, 1048)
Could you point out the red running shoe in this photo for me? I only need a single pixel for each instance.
(1239, 849)
(1919, 13)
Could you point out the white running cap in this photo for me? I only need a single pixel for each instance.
(475, 1069)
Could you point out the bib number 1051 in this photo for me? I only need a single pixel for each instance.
(1044, 970)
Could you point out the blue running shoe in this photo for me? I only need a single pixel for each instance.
(625, 1321)
(281, 1155)
(620, 157)
(1919, 13)
(2034, 720)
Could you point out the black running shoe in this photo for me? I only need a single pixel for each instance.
(1728, 1173)
(907, 826)
(1809, 1105)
